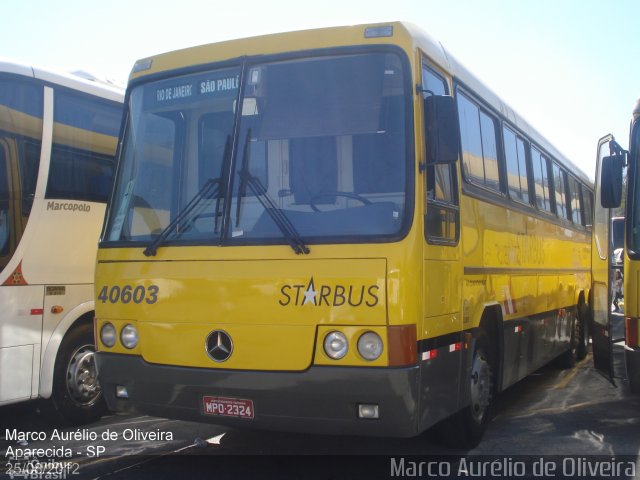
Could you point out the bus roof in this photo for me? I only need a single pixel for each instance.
(406, 35)
(68, 80)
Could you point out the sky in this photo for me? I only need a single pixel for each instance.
(566, 66)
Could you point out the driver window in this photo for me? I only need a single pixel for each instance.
(442, 213)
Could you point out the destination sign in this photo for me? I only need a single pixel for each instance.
(222, 84)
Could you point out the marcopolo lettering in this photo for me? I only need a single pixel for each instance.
(68, 206)
(328, 295)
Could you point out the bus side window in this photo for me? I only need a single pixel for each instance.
(587, 207)
(515, 155)
(84, 141)
(479, 144)
(574, 200)
(22, 105)
(541, 179)
(559, 176)
(442, 220)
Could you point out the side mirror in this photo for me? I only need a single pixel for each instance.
(442, 130)
(611, 181)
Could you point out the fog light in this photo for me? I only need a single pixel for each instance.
(336, 345)
(368, 411)
(370, 346)
(108, 335)
(129, 336)
(121, 392)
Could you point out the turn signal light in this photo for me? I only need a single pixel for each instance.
(403, 345)
(631, 325)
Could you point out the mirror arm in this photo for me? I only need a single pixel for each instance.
(616, 149)
(420, 90)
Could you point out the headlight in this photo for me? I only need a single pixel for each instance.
(370, 346)
(129, 336)
(108, 335)
(336, 345)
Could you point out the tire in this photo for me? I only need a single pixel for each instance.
(77, 397)
(633, 371)
(577, 346)
(583, 332)
(465, 429)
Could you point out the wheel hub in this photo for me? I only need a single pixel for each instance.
(481, 386)
(82, 376)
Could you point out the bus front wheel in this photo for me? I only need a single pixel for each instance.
(77, 396)
(466, 428)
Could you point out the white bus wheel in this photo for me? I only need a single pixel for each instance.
(77, 396)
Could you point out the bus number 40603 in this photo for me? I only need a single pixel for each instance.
(129, 293)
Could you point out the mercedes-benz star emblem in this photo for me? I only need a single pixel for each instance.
(219, 345)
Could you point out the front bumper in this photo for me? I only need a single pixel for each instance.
(318, 400)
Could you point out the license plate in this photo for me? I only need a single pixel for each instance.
(227, 407)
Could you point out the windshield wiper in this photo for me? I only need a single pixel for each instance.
(277, 215)
(209, 190)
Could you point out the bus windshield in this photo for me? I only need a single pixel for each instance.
(318, 150)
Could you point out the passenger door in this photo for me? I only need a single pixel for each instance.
(603, 332)
(442, 279)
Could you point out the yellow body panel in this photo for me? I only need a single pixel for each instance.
(522, 263)
(255, 292)
(258, 298)
(276, 43)
(254, 345)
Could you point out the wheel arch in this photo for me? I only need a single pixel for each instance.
(491, 322)
(80, 314)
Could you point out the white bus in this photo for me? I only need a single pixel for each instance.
(58, 136)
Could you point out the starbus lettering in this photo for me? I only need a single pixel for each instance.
(328, 295)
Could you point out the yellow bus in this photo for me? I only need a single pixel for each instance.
(58, 135)
(613, 164)
(337, 231)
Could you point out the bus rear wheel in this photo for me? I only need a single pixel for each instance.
(77, 396)
(582, 331)
(577, 344)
